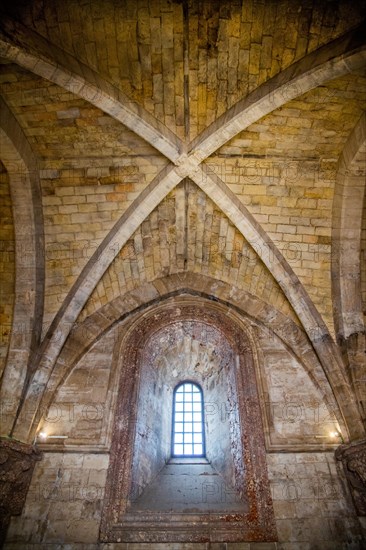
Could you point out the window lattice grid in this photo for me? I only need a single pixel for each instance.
(188, 436)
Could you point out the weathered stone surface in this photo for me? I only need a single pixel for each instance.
(17, 462)
(115, 109)
(245, 447)
(187, 230)
(64, 501)
(311, 502)
(353, 458)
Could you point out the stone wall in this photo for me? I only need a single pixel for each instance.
(64, 501)
(312, 506)
(104, 104)
(296, 413)
(82, 407)
(312, 503)
(294, 409)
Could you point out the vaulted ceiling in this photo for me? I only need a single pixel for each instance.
(146, 140)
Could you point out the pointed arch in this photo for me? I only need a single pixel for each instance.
(21, 165)
(349, 198)
(127, 307)
(326, 349)
(339, 57)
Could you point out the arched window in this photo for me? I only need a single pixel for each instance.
(188, 438)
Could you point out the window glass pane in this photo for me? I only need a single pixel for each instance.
(188, 436)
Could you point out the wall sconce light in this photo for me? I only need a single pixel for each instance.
(336, 434)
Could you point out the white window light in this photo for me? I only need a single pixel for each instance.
(188, 438)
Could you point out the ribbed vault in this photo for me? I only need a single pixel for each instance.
(168, 155)
(312, 67)
(187, 232)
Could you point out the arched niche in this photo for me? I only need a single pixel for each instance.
(197, 340)
(193, 349)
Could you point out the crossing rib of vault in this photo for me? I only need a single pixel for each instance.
(30, 51)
